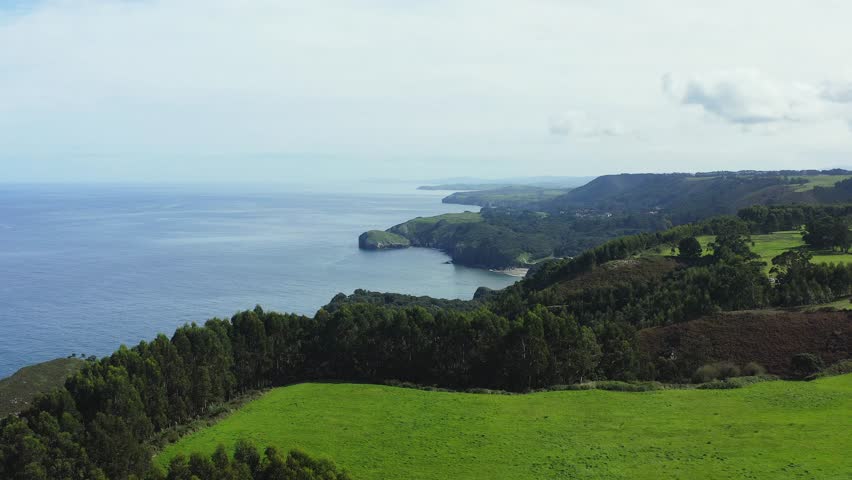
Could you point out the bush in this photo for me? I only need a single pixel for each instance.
(715, 371)
(753, 369)
(736, 382)
(717, 385)
(728, 370)
(706, 373)
(805, 364)
(840, 368)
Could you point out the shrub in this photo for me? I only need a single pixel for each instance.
(840, 368)
(717, 385)
(753, 369)
(715, 371)
(736, 382)
(728, 370)
(706, 373)
(805, 364)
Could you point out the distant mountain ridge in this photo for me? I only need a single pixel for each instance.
(460, 184)
(684, 196)
(688, 197)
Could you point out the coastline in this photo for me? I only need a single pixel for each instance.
(512, 272)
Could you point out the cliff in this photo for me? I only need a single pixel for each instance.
(380, 240)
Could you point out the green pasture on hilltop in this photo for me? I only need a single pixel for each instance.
(826, 181)
(463, 217)
(769, 430)
(773, 244)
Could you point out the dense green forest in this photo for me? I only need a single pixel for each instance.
(572, 321)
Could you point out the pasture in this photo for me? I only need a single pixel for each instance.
(768, 430)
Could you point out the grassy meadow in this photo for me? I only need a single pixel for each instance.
(768, 430)
(844, 303)
(463, 217)
(820, 181)
(773, 244)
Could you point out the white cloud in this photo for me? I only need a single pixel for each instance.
(392, 86)
(579, 124)
(745, 96)
(837, 92)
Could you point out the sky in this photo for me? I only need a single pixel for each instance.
(296, 91)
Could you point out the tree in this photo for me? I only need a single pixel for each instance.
(201, 466)
(245, 452)
(732, 240)
(789, 262)
(689, 248)
(828, 232)
(179, 469)
(586, 354)
(114, 448)
(805, 364)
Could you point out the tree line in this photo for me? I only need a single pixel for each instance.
(768, 219)
(247, 464)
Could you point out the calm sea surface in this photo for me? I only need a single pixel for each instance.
(86, 268)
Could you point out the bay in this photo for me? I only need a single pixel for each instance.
(85, 268)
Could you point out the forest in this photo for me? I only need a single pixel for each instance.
(572, 321)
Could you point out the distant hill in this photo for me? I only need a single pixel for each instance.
(17, 391)
(480, 184)
(513, 196)
(689, 197)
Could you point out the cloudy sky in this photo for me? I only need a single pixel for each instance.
(278, 90)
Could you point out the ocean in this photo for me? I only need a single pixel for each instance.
(85, 268)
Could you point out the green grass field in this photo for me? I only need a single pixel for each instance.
(376, 237)
(464, 217)
(773, 244)
(840, 304)
(820, 181)
(769, 430)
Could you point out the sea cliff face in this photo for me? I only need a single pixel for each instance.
(381, 240)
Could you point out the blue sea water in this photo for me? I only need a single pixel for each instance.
(86, 268)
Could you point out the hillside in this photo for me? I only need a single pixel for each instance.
(18, 390)
(500, 238)
(770, 430)
(690, 197)
(515, 197)
(769, 338)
